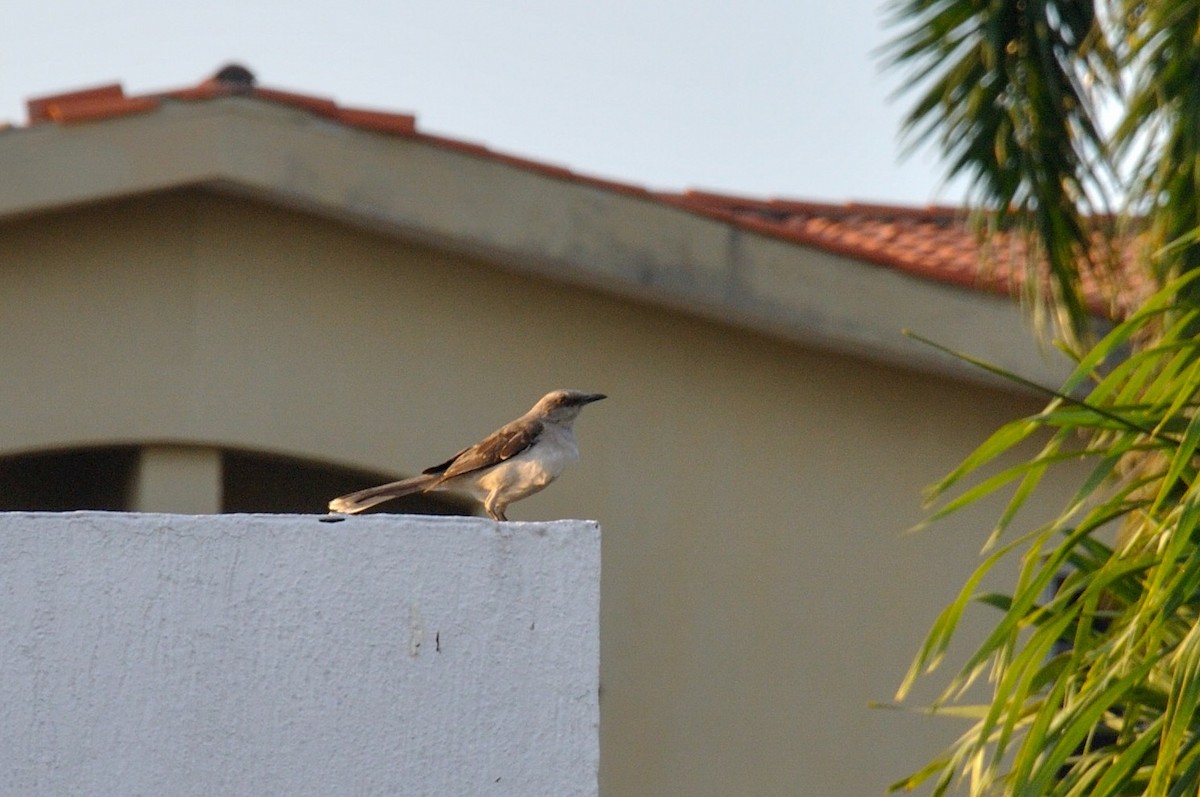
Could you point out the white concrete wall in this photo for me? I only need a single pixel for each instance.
(259, 655)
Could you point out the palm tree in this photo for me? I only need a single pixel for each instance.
(1054, 111)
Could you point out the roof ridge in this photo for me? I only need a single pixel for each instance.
(110, 100)
(805, 206)
(933, 242)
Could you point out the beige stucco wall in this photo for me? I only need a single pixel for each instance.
(757, 588)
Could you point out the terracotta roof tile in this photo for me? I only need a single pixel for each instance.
(934, 243)
(43, 109)
(318, 105)
(207, 90)
(399, 124)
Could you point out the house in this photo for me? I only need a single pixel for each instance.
(229, 298)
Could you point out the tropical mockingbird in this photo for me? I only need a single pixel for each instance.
(515, 461)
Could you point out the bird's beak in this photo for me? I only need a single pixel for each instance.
(590, 397)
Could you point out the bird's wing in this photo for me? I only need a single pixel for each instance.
(504, 443)
(440, 468)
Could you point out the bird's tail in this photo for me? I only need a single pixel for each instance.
(365, 499)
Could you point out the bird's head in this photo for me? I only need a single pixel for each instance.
(563, 406)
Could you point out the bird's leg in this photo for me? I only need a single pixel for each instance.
(494, 508)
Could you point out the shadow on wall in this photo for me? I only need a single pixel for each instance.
(100, 478)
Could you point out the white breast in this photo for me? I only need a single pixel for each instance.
(533, 469)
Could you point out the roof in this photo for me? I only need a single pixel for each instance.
(934, 243)
(845, 278)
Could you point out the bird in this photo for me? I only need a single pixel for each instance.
(513, 462)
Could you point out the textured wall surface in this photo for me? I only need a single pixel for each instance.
(257, 655)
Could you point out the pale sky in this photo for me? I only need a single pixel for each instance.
(763, 98)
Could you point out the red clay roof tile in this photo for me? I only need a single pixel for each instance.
(318, 105)
(38, 108)
(399, 124)
(90, 110)
(207, 90)
(934, 243)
